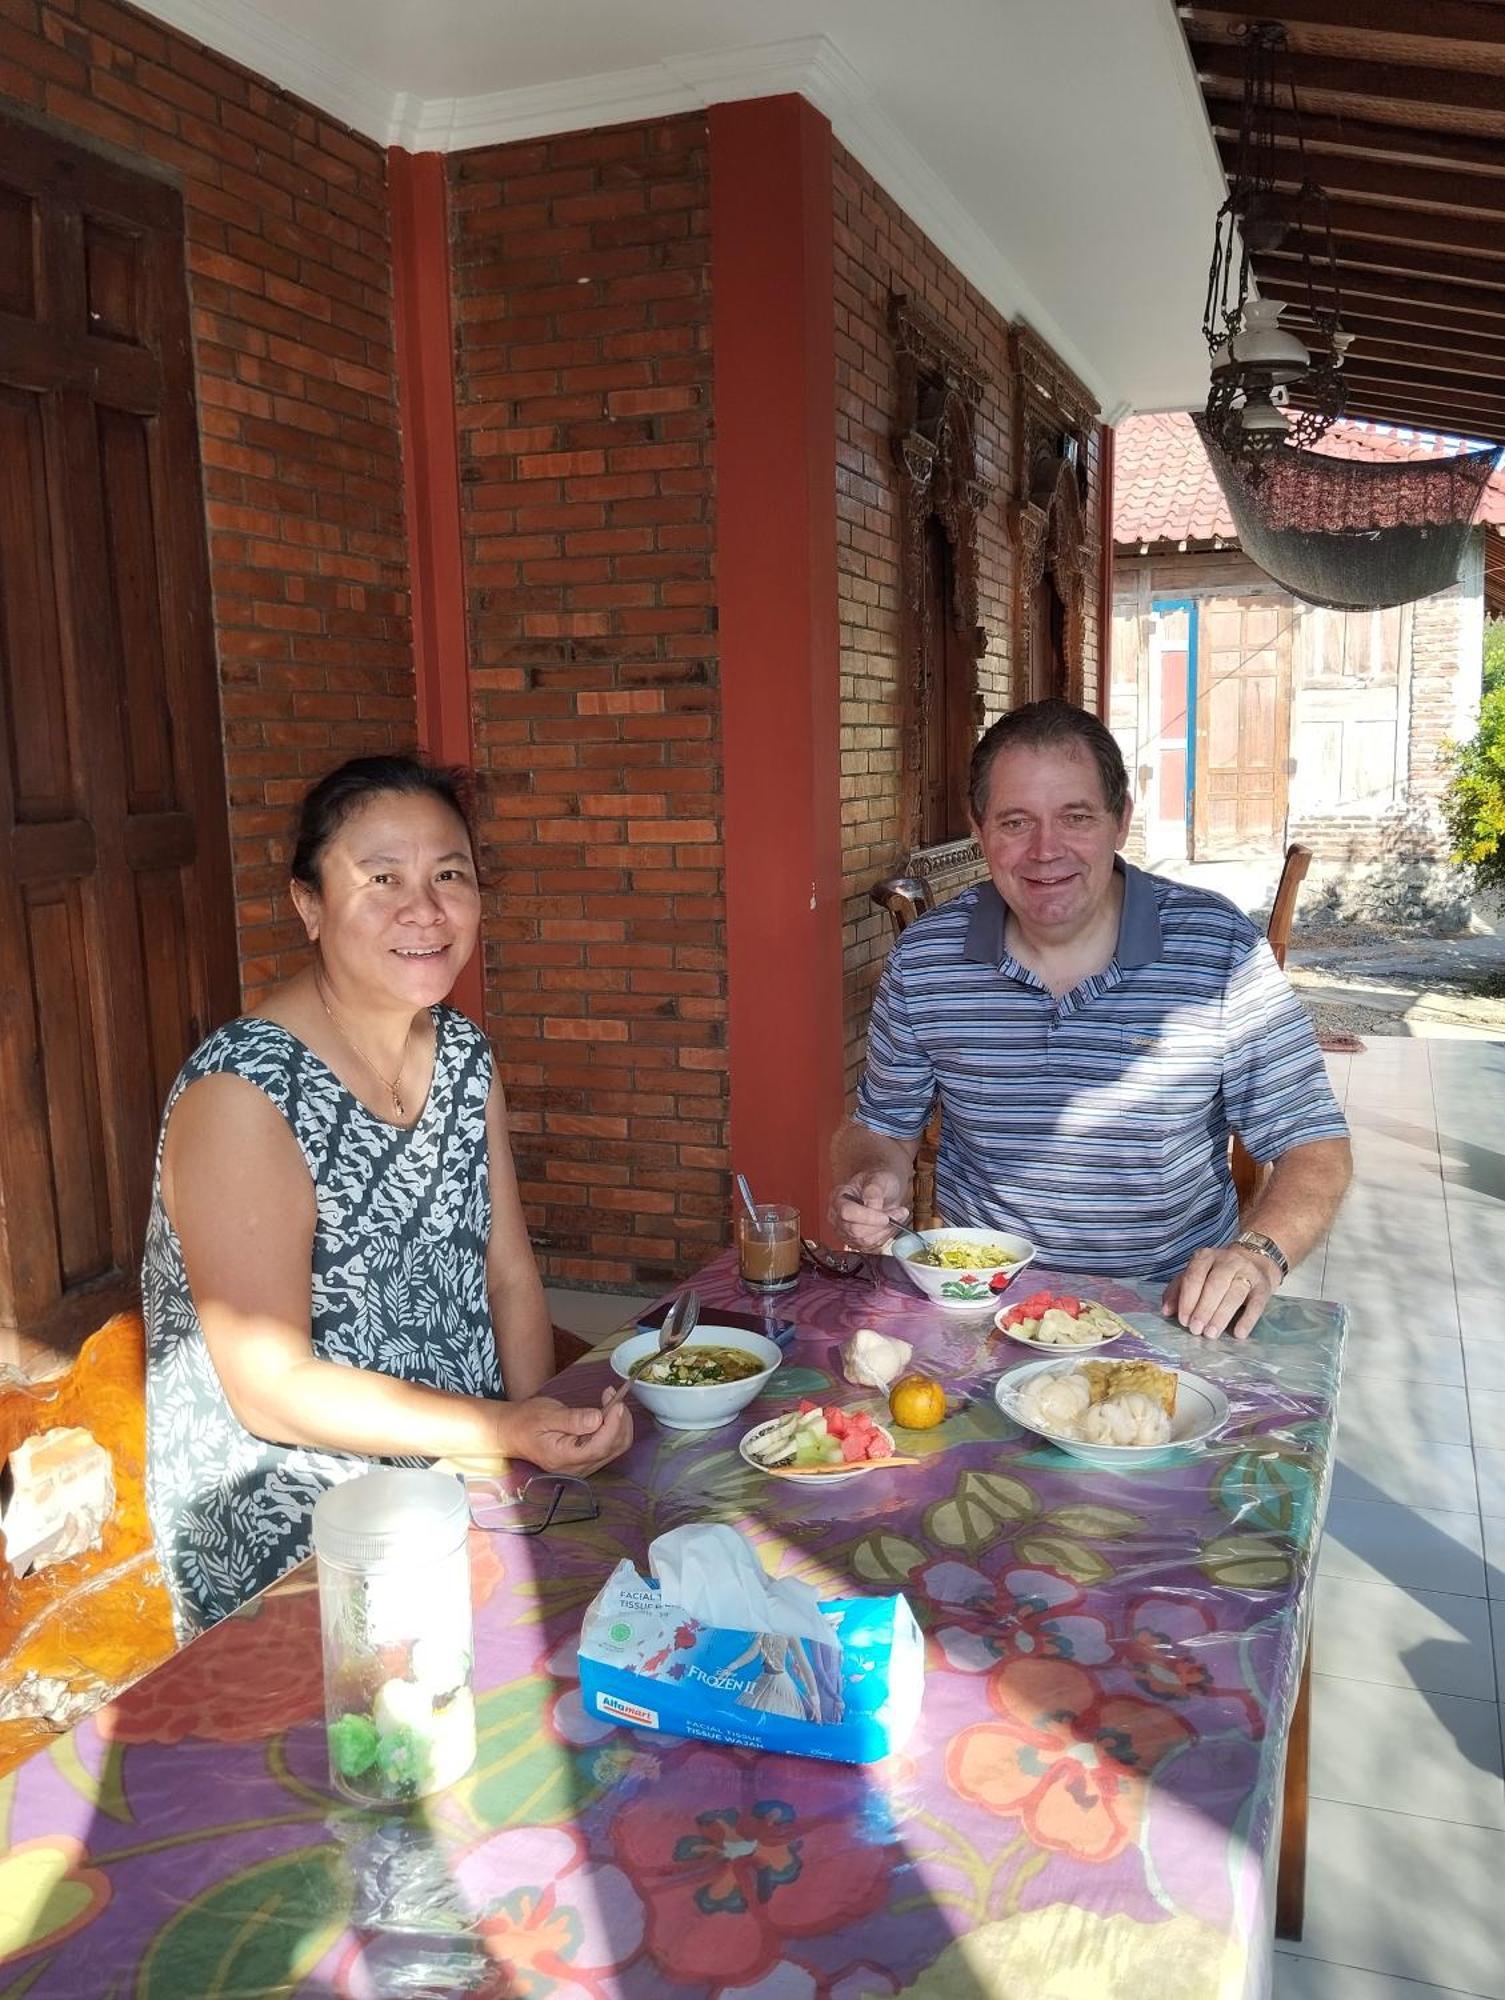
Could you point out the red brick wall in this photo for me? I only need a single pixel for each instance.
(584, 394)
(878, 251)
(289, 278)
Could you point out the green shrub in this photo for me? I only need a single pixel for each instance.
(1473, 805)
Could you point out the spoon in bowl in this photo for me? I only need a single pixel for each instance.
(679, 1323)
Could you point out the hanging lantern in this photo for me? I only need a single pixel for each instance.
(1252, 354)
(1351, 534)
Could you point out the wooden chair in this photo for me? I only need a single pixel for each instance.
(95, 1622)
(905, 897)
(1245, 1169)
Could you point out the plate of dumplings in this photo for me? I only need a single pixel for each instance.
(1113, 1412)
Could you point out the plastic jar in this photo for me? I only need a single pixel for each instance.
(394, 1606)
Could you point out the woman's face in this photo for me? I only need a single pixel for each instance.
(398, 906)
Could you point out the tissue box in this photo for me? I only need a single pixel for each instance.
(650, 1663)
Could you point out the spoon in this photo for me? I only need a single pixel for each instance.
(747, 1201)
(903, 1243)
(679, 1323)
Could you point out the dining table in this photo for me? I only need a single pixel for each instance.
(1089, 1805)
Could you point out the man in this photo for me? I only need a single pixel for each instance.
(1094, 1034)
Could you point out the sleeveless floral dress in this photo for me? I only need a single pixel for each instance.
(399, 1285)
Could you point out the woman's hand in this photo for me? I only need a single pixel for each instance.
(557, 1438)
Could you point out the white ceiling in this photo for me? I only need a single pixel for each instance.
(1056, 150)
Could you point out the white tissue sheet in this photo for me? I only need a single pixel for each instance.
(712, 1647)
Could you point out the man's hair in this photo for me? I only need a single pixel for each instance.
(1049, 725)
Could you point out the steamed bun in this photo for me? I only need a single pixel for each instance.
(1131, 1419)
(1055, 1403)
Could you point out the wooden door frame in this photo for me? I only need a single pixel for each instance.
(1285, 610)
(1190, 606)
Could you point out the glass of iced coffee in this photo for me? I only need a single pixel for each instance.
(768, 1246)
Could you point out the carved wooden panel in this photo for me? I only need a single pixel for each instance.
(1054, 535)
(941, 493)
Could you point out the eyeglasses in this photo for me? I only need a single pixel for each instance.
(548, 1500)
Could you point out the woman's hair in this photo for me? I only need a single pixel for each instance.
(1047, 725)
(341, 792)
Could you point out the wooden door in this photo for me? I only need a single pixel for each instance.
(1243, 726)
(116, 919)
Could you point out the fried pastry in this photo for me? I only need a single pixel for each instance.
(1129, 1378)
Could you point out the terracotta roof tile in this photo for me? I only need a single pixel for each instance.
(1164, 489)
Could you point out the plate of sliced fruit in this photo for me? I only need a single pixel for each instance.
(818, 1442)
(1060, 1320)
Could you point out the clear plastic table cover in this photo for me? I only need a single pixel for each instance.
(1088, 1807)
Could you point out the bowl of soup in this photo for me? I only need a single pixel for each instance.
(706, 1382)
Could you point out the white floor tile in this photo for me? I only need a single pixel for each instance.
(1491, 1465)
(1486, 1409)
(1396, 1347)
(1314, 1979)
(1415, 1471)
(1402, 1751)
(1484, 1365)
(1413, 1547)
(1414, 1898)
(1430, 1640)
(1374, 1403)
(1494, 1554)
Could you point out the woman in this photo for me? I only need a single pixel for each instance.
(336, 1263)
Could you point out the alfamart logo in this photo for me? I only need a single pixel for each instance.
(628, 1711)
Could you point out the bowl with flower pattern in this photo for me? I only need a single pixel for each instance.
(973, 1265)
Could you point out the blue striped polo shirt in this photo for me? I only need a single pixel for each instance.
(1097, 1125)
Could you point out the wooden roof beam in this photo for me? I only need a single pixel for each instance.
(1484, 297)
(1414, 416)
(1426, 145)
(1460, 408)
(1375, 336)
(1385, 180)
(1375, 220)
(1404, 258)
(1431, 21)
(1375, 301)
(1405, 83)
(1437, 381)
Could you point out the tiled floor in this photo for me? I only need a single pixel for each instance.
(1407, 1837)
(1406, 1872)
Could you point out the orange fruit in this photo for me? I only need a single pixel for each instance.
(916, 1403)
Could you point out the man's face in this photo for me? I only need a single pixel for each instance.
(1049, 838)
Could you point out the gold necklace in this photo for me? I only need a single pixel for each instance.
(388, 1085)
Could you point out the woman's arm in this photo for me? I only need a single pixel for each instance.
(519, 1312)
(240, 1198)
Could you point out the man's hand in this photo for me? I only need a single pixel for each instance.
(1222, 1290)
(867, 1210)
(557, 1438)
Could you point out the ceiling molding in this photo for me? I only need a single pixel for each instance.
(281, 55)
(810, 66)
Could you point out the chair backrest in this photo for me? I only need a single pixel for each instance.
(905, 897)
(1244, 1168)
(1283, 909)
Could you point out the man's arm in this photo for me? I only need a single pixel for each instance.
(872, 1176)
(1225, 1289)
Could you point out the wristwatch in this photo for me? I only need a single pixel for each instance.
(1267, 1247)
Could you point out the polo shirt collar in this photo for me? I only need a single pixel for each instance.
(1139, 937)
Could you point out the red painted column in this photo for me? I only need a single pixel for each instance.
(431, 474)
(773, 327)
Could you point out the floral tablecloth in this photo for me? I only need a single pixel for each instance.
(1087, 1809)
